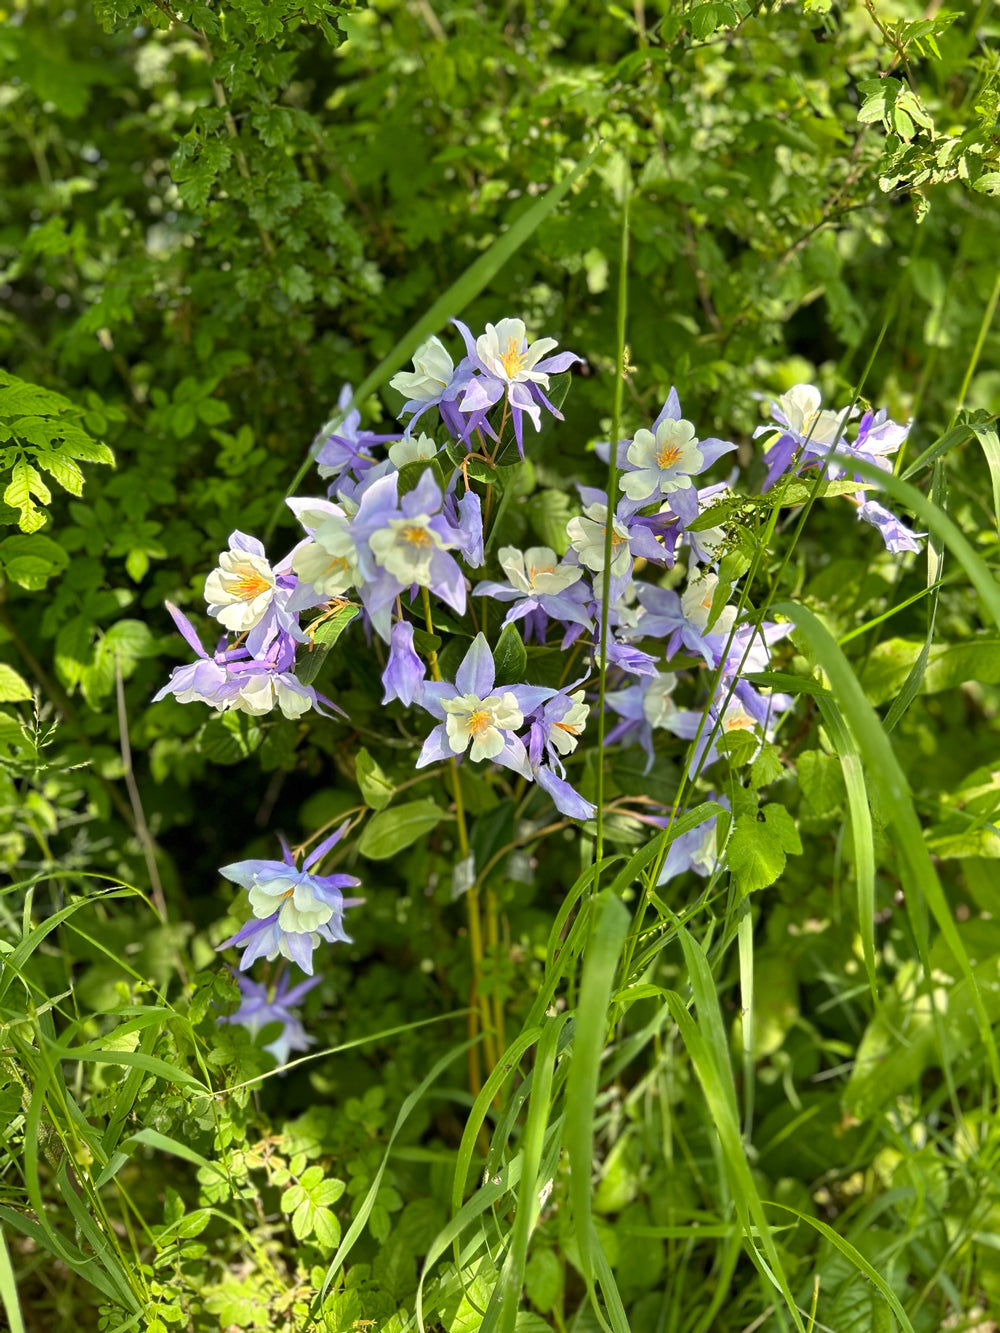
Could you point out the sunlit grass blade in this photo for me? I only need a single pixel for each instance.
(453, 301)
(512, 1274)
(855, 1257)
(862, 835)
(883, 768)
(15, 960)
(151, 1138)
(102, 1240)
(8, 1290)
(368, 1203)
(610, 923)
(744, 936)
(935, 560)
(987, 437)
(720, 1094)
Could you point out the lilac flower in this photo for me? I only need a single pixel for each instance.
(263, 1005)
(292, 909)
(632, 537)
(476, 718)
(503, 364)
(347, 448)
(540, 587)
(205, 681)
(404, 673)
(682, 619)
(433, 382)
(259, 684)
(406, 543)
(412, 450)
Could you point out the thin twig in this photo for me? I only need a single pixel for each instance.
(142, 832)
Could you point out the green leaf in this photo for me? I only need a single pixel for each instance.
(543, 1280)
(510, 657)
(13, 688)
(31, 559)
(325, 635)
(548, 513)
(755, 853)
(392, 830)
(376, 789)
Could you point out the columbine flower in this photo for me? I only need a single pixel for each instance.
(587, 538)
(347, 448)
(406, 542)
(503, 364)
(555, 731)
(695, 850)
(404, 673)
(816, 431)
(263, 1005)
(292, 908)
(410, 450)
(540, 588)
(476, 718)
(326, 564)
(205, 681)
(696, 605)
(663, 462)
(644, 708)
(433, 382)
(896, 535)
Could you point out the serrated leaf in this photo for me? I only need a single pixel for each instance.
(754, 854)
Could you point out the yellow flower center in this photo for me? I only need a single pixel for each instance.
(740, 723)
(416, 536)
(668, 455)
(478, 723)
(512, 356)
(534, 571)
(250, 585)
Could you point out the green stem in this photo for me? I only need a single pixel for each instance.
(616, 415)
(984, 328)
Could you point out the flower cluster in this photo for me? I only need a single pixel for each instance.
(401, 533)
(808, 435)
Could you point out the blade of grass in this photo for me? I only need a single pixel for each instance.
(862, 836)
(512, 1274)
(451, 303)
(609, 527)
(935, 563)
(8, 1290)
(882, 765)
(368, 1203)
(610, 924)
(987, 437)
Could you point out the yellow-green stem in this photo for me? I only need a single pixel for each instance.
(478, 1003)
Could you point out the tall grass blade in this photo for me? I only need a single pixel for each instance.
(862, 835)
(881, 763)
(610, 923)
(8, 1290)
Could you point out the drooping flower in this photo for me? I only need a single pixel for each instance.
(695, 850)
(554, 731)
(404, 673)
(292, 908)
(644, 708)
(808, 431)
(263, 1005)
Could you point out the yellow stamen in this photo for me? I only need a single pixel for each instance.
(416, 536)
(567, 726)
(512, 357)
(533, 572)
(250, 585)
(740, 723)
(478, 723)
(668, 456)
